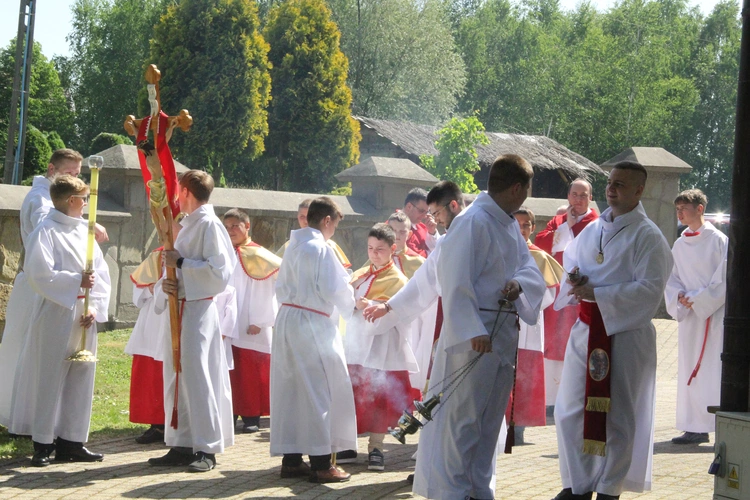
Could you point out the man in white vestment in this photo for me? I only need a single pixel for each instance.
(695, 296)
(483, 260)
(610, 362)
(35, 207)
(201, 424)
(52, 395)
(312, 404)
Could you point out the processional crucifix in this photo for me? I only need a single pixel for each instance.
(157, 167)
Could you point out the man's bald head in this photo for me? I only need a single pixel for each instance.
(579, 196)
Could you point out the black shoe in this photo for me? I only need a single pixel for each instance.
(691, 438)
(604, 496)
(41, 454)
(77, 455)
(152, 435)
(175, 457)
(375, 460)
(567, 494)
(250, 424)
(346, 457)
(410, 479)
(202, 462)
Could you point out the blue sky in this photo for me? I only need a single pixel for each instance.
(54, 17)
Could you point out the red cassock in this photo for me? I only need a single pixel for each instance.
(417, 241)
(250, 382)
(146, 391)
(380, 397)
(557, 324)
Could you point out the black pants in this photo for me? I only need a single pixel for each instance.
(317, 462)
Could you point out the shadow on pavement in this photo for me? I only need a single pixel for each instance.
(680, 449)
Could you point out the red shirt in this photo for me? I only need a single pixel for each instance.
(545, 238)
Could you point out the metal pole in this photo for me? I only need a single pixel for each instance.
(15, 96)
(735, 373)
(26, 78)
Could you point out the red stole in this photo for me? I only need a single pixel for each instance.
(165, 158)
(597, 400)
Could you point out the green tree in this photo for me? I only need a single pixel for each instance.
(36, 154)
(312, 134)
(707, 139)
(109, 44)
(54, 140)
(457, 155)
(403, 61)
(105, 140)
(49, 109)
(214, 63)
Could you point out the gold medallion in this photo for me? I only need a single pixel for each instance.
(600, 258)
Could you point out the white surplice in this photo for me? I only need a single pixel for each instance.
(312, 403)
(628, 287)
(51, 395)
(205, 420)
(482, 252)
(226, 304)
(369, 345)
(256, 305)
(700, 269)
(151, 328)
(35, 207)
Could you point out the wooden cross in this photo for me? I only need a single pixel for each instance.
(161, 212)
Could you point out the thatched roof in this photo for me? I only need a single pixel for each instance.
(543, 152)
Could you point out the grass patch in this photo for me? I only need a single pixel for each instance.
(111, 403)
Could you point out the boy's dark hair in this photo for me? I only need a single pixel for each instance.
(528, 213)
(445, 192)
(415, 195)
(693, 196)
(632, 165)
(320, 208)
(508, 170)
(238, 214)
(60, 155)
(383, 232)
(199, 183)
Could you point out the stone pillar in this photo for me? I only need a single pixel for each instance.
(663, 185)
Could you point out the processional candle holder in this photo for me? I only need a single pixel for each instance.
(95, 165)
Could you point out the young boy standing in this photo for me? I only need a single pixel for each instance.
(406, 259)
(52, 395)
(379, 360)
(254, 279)
(695, 296)
(145, 345)
(528, 397)
(312, 406)
(204, 259)
(302, 221)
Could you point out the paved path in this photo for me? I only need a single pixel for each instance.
(247, 471)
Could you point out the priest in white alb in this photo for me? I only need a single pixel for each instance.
(312, 403)
(200, 426)
(604, 412)
(483, 260)
(695, 297)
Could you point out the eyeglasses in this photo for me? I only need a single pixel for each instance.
(84, 197)
(434, 214)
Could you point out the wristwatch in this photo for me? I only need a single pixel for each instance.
(179, 262)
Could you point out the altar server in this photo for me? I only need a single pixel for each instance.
(52, 395)
(695, 296)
